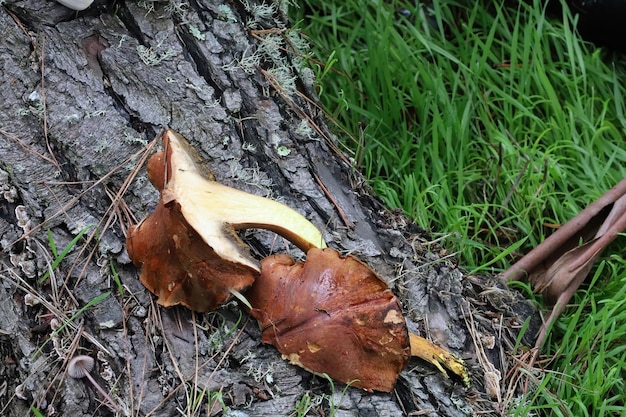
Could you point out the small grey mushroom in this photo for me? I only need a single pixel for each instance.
(79, 367)
(31, 300)
(76, 4)
(20, 392)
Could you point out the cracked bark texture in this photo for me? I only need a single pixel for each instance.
(82, 94)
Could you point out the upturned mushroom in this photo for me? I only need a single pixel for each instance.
(188, 249)
(334, 315)
(330, 315)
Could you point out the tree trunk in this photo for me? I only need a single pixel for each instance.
(83, 94)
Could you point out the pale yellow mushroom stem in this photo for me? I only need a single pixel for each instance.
(439, 357)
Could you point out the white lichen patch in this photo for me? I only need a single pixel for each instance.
(248, 356)
(7, 191)
(36, 105)
(285, 5)
(252, 177)
(307, 76)
(260, 12)
(176, 7)
(284, 77)
(147, 5)
(248, 147)
(248, 62)
(23, 219)
(298, 42)
(21, 112)
(72, 118)
(304, 129)
(132, 139)
(226, 13)
(283, 151)
(300, 52)
(196, 33)
(271, 47)
(101, 145)
(105, 369)
(261, 372)
(123, 38)
(95, 113)
(156, 54)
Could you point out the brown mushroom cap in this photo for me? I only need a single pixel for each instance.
(332, 315)
(187, 248)
(179, 267)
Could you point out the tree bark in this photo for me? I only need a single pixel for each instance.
(82, 96)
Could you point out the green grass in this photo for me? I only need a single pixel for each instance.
(488, 123)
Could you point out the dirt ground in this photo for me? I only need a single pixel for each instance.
(84, 96)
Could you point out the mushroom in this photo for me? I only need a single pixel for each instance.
(76, 4)
(334, 315)
(79, 367)
(20, 391)
(329, 315)
(187, 248)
